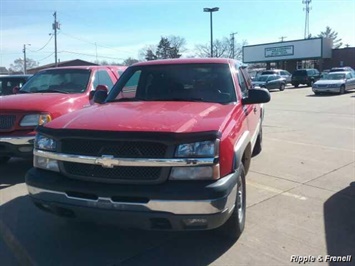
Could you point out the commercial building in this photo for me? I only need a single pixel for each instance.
(296, 54)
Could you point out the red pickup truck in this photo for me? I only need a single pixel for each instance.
(47, 95)
(168, 148)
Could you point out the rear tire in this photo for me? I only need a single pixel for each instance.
(234, 226)
(4, 159)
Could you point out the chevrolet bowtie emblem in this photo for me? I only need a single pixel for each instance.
(107, 161)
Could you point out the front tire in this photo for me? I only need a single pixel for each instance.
(4, 159)
(259, 143)
(282, 87)
(235, 224)
(342, 89)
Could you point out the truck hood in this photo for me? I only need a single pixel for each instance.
(148, 116)
(36, 101)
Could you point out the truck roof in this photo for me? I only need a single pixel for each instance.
(186, 61)
(86, 67)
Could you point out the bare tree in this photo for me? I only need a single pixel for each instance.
(221, 48)
(178, 42)
(17, 66)
(130, 61)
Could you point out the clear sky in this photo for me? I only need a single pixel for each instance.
(117, 29)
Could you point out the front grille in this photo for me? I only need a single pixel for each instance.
(124, 173)
(122, 149)
(7, 121)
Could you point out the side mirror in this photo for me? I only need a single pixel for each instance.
(257, 96)
(15, 90)
(103, 88)
(100, 96)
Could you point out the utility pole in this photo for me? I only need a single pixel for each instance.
(232, 44)
(24, 59)
(282, 38)
(55, 27)
(306, 25)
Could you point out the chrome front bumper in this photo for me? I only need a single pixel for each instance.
(18, 141)
(17, 146)
(335, 90)
(178, 207)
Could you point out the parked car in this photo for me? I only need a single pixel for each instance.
(171, 156)
(47, 95)
(270, 82)
(338, 82)
(9, 82)
(283, 73)
(338, 69)
(305, 76)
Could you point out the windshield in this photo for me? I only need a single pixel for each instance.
(58, 80)
(188, 82)
(335, 76)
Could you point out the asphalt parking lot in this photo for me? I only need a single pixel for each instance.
(300, 198)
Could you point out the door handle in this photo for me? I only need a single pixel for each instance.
(255, 110)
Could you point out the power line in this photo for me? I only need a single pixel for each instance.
(90, 42)
(45, 57)
(43, 46)
(92, 55)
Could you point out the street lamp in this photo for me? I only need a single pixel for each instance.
(211, 10)
(24, 58)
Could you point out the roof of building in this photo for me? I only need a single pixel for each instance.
(75, 62)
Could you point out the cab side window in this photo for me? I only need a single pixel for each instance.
(102, 78)
(243, 84)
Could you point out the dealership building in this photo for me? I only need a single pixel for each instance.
(305, 53)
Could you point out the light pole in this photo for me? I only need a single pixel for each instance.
(211, 10)
(24, 59)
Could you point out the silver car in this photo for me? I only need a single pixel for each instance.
(335, 82)
(283, 73)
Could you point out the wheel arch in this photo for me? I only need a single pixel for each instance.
(242, 152)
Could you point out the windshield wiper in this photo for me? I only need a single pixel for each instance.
(53, 90)
(179, 99)
(125, 100)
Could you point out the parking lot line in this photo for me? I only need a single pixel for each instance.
(275, 190)
(314, 145)
(15, 246)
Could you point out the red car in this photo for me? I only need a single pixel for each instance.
(47, 95)
(168, 148)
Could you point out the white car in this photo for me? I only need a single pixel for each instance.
(336, 82)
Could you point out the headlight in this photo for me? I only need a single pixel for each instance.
(197, 149)
(45, 143)
(35, 120)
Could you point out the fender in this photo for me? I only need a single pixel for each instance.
(239, 148)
